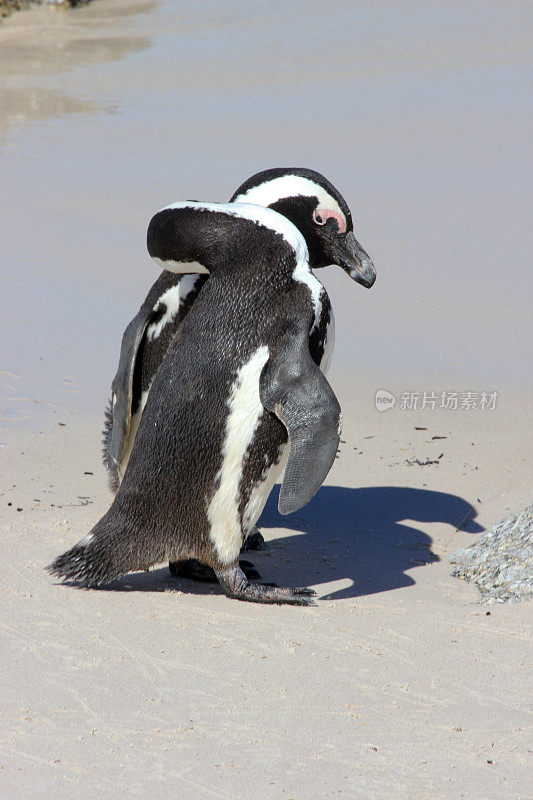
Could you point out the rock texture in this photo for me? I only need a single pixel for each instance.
(500, 562)
(8, 6)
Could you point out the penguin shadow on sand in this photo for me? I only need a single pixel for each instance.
(369, 536)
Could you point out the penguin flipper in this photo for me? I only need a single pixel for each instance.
(122, 385)
(294, 389)
(165, 306)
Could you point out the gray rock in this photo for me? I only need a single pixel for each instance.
(8, 6)
(500, 562)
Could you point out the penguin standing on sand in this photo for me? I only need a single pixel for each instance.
(237, 396)
(306, 198)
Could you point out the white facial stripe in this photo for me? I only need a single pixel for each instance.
(289, 186)
(245, 411)
(262, 216)
(182, 266)
(172, 299)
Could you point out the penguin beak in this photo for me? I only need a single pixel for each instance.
(344, 250)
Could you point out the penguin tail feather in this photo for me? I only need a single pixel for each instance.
(106, 553)
(109, 463)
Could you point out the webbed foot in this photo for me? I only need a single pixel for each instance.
(254, 541)
(235, 584)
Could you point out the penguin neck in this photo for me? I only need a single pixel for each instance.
(256, 260)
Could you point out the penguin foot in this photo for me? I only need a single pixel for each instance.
(193, 570)
(254, 541)
(196, 571)
(235, 584)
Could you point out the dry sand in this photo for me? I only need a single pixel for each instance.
(398, 685)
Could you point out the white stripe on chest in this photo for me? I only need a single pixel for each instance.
(244, 413)
(329, 344)
(261, 491)
(303, 274)
(172, 299)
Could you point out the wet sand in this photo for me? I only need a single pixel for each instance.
(398, 684)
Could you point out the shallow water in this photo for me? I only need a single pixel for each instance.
(419, 112)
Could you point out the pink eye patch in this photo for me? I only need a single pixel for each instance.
(321, 216)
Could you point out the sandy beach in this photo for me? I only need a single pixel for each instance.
(399, 684)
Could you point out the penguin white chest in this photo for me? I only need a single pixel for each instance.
(244, 414)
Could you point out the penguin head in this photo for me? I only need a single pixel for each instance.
(319, 212)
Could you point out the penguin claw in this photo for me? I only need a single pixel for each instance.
(304, 591)
(235, 584)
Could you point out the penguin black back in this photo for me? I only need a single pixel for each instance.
(237, 382)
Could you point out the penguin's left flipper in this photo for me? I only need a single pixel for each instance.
(122, 385)
(294, 389)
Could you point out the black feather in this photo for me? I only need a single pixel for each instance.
(109, 462)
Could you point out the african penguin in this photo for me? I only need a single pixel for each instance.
(309, 200)
(319, 212)
(237, 396)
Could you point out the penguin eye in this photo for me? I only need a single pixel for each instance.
(321, 216)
